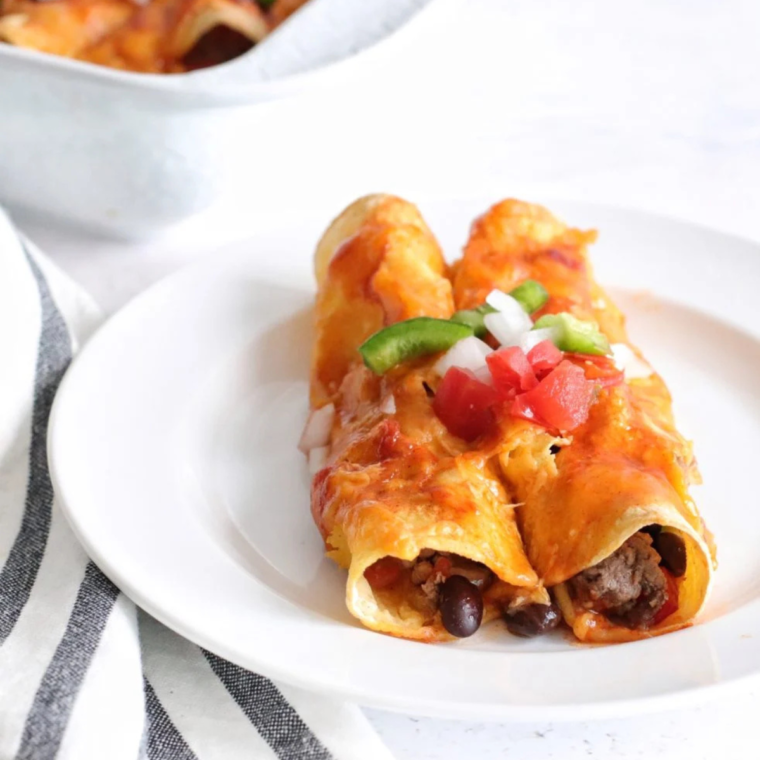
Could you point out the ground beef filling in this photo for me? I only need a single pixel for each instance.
(628, 586)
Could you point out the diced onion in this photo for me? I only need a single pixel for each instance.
(509, 322)
(627, 361)
(532, 338)
(469, 353)
(507, 329)
(317, 459)
(504, 303)
(389, 405)
(317, 430)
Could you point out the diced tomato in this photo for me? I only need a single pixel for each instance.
(671, 600)
(544, 357)
(561, 401)
(521, 408)
(383, 573)
(463, 404)
(442, 566)
(511, 371)
(600, 369)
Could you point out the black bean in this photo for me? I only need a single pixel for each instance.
(532, 619)
(461, 607)
(672, 549)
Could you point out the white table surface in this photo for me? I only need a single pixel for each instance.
(653, 105)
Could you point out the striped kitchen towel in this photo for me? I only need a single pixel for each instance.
(83, 674)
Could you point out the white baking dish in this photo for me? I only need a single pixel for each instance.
(129, 154)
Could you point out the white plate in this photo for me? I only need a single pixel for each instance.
(173, 450)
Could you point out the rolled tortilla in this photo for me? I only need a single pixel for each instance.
(625, 469)
(396, 482)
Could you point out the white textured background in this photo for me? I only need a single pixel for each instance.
(653, 104)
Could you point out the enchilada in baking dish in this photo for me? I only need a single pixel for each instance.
(157, 36)
(484, 440)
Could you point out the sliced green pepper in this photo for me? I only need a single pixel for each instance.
(575, 335)
(531, 295)
(410, 339)
(474, 318)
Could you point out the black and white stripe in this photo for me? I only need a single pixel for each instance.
(53, 357)
(164, 741)
(269, 711)
(88, 684)
(54, 699)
